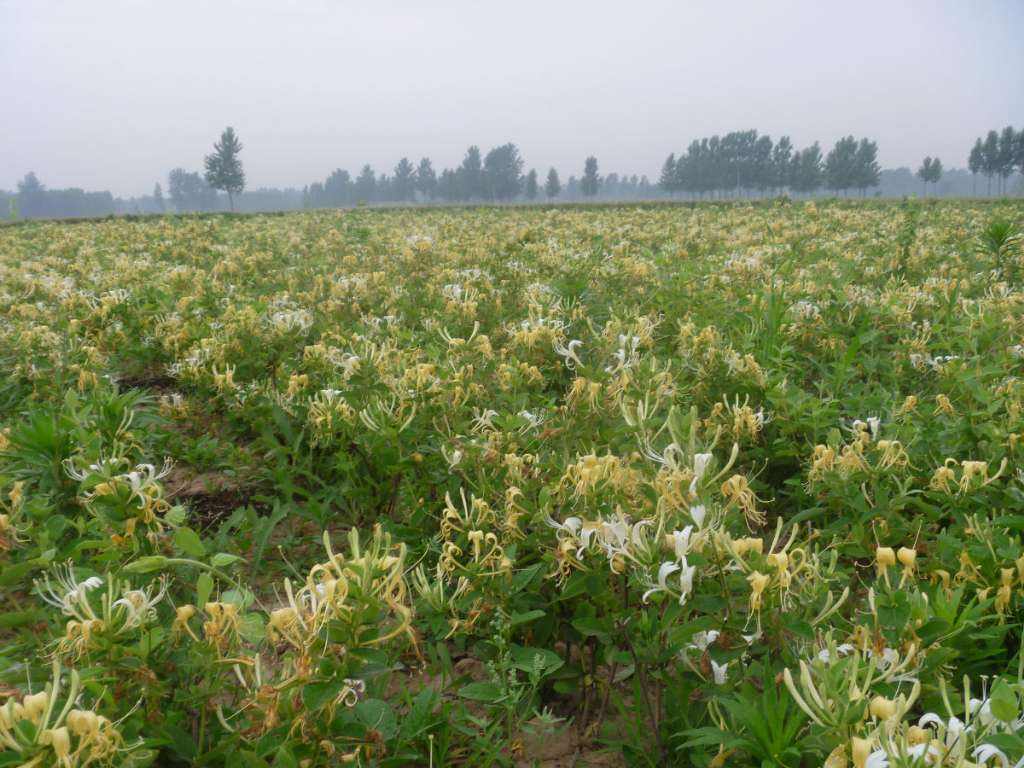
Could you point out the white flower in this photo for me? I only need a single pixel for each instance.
(686, 573)
(720, 672)
(986, 752)
(681, 541)
(877, 759)
(703, 640)
(664, 571)
(697, 514)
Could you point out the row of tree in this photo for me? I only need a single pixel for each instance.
(998, 156)
(744, 162)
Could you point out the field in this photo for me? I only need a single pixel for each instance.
(654, 485)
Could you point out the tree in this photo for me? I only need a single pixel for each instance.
(224, 168)
(403, 183)
(471, 175)
(448, 185)
(503, 172)
(841, 165)
(806, 169)
(336, 191)
(930, 172)
(867, 172)
(668, 180)
(31, 197)
(530, 187)
(158, 197)
(782, 157)
(590, 181)
(426, 179)
(366, 185)
(990, 157)
(976, 163)
(1006, 156)
(552, 187)
(190, 192)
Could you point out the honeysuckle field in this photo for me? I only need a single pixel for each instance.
(671, 485)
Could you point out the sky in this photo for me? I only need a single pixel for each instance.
(112, 94)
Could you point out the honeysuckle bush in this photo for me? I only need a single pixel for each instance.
(695, 485)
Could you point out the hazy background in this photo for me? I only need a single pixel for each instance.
(110, 94)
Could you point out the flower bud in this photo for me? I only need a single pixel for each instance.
(882, 708)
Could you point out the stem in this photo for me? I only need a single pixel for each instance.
(652, 715)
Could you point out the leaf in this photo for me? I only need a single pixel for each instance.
(147, 564)
(188, 541)
(204, 588)
(527, 659)
(222, 559)
(316, 695)
(481, 691)
(525, 618)
(378, 715)
(591, 626)
(1003, 702)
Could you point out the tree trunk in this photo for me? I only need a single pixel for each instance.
(231, 202)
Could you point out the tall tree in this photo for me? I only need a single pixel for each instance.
(471, 178)
(503, 172)
(1007, 156)
(530, 186)
(366, 185)
(668, 180)
(403, 183)
(426, 179)
(782, 155)
(158, 197)
(31, 197)
(590, 181)
(553, 186)
(841, 165)
(224, 167)
(990, 157)
(976, 163)
(806, 169)
(867, 171)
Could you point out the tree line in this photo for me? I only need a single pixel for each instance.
(748, 163)
(740, 163)
(998, 156)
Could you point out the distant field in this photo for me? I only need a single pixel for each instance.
(622, 485)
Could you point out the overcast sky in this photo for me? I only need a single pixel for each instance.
(111, 94)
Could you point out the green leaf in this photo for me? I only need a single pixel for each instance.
(222, 559)
(525, 618)
(526, 659)
(204, 588)
(188, 541)
(316, 695)
(147, 564)
(1003, 702)
(378, 715)
(481, 691)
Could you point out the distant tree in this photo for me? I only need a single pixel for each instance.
(366, 185)
(782, 156)
(1006, 156)
(841, 165)
(590, 182)
(503, 172)
(471, 177)
(158, 198)
(223, 166)
(31, 197)
(930, 172)
(403, 183)
(669, 180)
(448, 185)
(760, 172)
(976, 163)
(867, 171)
(530, 186)
(806, 169)
(336, 191)
(990, 157)
(190, 192)
(1019, 153)
(426, 179)
(552, 187)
